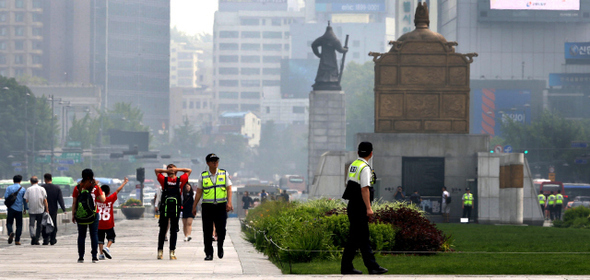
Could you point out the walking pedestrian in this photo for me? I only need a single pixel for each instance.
(246, 203)
(86, 195)
(54, 197)
(558, 205)
(358, 194)
(170, 205)
(106, 222)
(16, 210)
(446, 205)
(551, 205)
(36, 198)
(541, 198)
(188, 197)
(215, 188)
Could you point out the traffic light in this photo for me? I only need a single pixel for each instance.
(526, 152)
(491, 151)
(140, 174)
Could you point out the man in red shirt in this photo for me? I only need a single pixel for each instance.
(170, 204)
(106, 222)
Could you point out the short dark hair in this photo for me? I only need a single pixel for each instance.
(17, 178)
(444, 188)
(106, 189)
(170, 166)
(365, 149)
(558, 191)
(47, 177)
(34, 180)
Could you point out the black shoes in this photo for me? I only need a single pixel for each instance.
(209, 258)
(10, 238)
(353, 271)
(379, 270)
(52, 242)
(220, 252)
(80, 260)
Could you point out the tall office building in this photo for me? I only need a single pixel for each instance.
(250, 40)
(184, 65)
(130, 51)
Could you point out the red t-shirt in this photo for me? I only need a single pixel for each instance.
(96, 192)
(105, 212)
(183, 180)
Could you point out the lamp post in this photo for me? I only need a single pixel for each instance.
(64, 120)
(52, 164)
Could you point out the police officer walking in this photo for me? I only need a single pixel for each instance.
(467, 204)
(358, 193)
(541, 198)
(215, 188)
(558, 205)
(551, 205)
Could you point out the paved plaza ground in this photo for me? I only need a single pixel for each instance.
(134, 257)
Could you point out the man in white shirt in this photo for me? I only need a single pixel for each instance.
(36, 198)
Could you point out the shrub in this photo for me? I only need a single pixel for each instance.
(577, 217)
(132, 202)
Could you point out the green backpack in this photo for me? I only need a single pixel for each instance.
(85, 208)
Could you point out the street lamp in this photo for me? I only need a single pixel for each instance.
(52, 99)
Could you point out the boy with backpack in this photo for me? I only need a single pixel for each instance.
(106, 223)
(170, 205)
(85, 196)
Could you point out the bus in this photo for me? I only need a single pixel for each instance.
(294, 182)
(571, 190)
(66, 184)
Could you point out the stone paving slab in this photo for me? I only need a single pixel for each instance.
(134, 257)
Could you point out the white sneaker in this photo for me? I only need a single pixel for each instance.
(107, 252)
(185, 239)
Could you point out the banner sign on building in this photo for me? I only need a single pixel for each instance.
(349, 7)
(569, 79)
(491, 107)
(550, 5)
(577, 53)
(404, 18)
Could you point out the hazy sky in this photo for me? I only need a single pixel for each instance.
(193, 16)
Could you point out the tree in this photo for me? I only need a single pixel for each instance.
(548, 142)
(186, 139)
(357, 83)
(22, 110)
(281, 151)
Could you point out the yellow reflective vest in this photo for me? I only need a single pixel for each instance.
(354, 171)
(551, 199)
(214, 192)
(541, 198)
(559, 199)
(468, 199)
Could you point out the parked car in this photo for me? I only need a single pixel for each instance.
(579, 201)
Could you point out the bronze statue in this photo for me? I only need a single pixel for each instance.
(328, 77)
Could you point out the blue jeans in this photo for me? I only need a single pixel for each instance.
(93, 239)
(18, 216)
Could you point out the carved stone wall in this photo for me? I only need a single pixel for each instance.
(422, 87)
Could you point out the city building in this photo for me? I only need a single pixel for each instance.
(246, 124)
(184, 65)
(283, 111)
(192, 104)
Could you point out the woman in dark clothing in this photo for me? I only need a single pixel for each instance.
(188, 198)
(246, 202)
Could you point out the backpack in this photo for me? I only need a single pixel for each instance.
(85, 208)
(11, 199)
(170, 204)
(448, 199)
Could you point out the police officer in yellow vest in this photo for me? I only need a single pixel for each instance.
(551, 205)
(467, 204)
(558, 205)
(215, 188)
(358, 193)
(541, 198)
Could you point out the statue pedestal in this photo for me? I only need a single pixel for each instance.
(327, 126)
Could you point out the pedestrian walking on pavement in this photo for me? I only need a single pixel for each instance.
(215, 189)
(541, 198)
(188, 197)
(106, 222)
(446, 205)
(170, 205)
(86, 195)
(551, 205)
(36, 198)
(54, 197)
(358, 193)
(16, 210)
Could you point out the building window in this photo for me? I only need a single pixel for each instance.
(19, 4)
(185, 73)
(37, 31)
(228, 58)
(298, 109)
(269, 83)
(19, 45)
(287, 47)
(19, 31)
(197, 104)
(276, 22)
(250, 71)
(228, 83)
(250, 95)
(272, 47)
(191, 105)
(267, 109)
(251, 107)
(37, 4)
(250, 21)
(185, 55)
(37, 45)
(272, 35)
(250, 47)
(19, 59)
(250, 34)
(356, 43)
(3, 5)
(19, 17)
(3, 45)
(228, 71)
(250, 58)
(3, 17)
(2, 60)
(185, 64)
(271, 59)
(271, 71)
(37, 17)
(229, 34)
(250, 83)
(356, 55)
(228, 95)
(228, 46)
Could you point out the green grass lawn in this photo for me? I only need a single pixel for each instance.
(485, 249)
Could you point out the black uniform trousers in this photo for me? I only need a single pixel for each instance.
(467, 211)
(358, 238)
(164, 227)
(558, 211)
(213, 214)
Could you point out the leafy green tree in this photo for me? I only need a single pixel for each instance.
(548, 142)
(357, 83)
(22, 109)
(186, 139)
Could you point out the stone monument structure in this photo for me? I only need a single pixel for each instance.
(327, 107)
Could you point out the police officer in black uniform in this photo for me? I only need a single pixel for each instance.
(359, 195)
